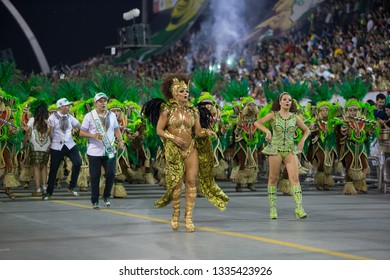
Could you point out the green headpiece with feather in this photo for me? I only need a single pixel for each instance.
(321, 92)
(115, 85)
(206, 97)
(353, 90)
(270, 92)
(204, 81)
(71, 89)
(235, 90)
(9, 75)
(297, 90)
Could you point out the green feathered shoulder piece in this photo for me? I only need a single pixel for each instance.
(308, 116)
(133, 113)
(372, 124)
(262, 113)
(335, 117)
(79, 110)
(228, 115)
(265, 110)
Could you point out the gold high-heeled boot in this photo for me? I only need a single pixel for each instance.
(297, 194)
(190, 203)
(272, 192)
(176, 207)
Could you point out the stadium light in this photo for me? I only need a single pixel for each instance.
(131, 14)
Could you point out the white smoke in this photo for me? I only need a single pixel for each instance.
(229, 25)
(224, 30)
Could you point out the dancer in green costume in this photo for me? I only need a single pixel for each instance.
(282, 149)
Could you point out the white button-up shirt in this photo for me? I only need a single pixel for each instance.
(58, 137)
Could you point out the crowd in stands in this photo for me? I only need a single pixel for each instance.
(335, 40)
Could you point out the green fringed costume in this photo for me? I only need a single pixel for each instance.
(323, 148)
(354, 131)
(353, 138)
(10, 140)
(247, 139)
(209, 187)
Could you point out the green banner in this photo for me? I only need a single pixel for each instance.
(172, 26)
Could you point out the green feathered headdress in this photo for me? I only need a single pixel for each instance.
(114, 84)
(246, 100)
(115, 104)
(33, 103)
(204, 81)
(9, 75)
(353, 103)
(353, 89)
(323, 104)
(206, 97)
(71, 89)
(321, 92)
(41, 88)
(297, 90)
(52, 108)
(151, 91)
(235, 90)
(270, 92)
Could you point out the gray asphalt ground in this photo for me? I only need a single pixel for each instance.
(338, 227)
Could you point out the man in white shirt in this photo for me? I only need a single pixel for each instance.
(62, 144)
(101, 127)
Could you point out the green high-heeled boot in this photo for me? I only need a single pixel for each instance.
(272, 192)
(297, 194)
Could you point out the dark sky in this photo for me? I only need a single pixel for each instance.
(68, 31)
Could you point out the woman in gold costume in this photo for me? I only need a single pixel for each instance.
(178, 123)
(281, 148)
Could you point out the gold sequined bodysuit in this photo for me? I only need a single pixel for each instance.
(180, 123)
(181, 120)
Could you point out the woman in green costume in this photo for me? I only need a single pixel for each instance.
(282, 149)
(178, 122)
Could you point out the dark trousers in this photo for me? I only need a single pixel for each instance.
(55, 160)
(95, 170)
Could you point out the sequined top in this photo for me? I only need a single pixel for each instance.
(283, 130)
(181, 120)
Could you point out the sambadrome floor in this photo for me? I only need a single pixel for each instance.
(338, 227)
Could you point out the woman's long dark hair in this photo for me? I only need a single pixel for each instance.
(276, 106)
(41, 114)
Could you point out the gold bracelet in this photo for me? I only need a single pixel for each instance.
(169, 136)
(204, 131)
